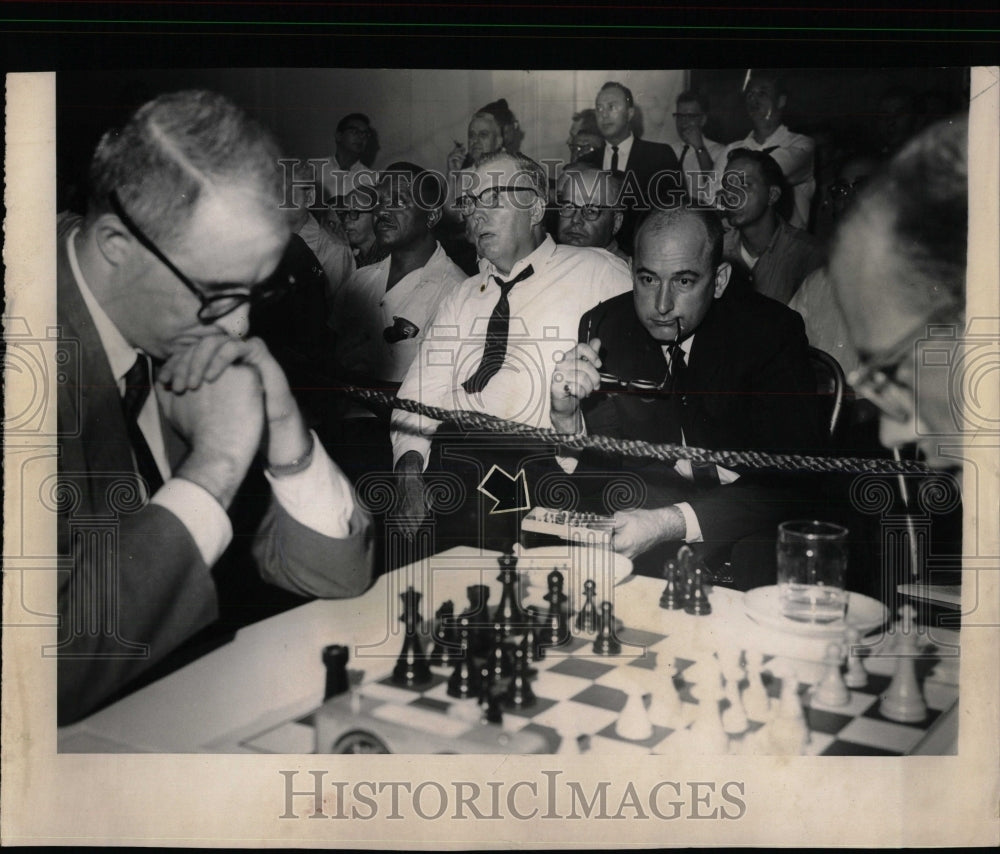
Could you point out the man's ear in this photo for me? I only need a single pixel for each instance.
(433, 217)
(112, 239)
(722, 274)
(619, 219)
(537, 211)
(782, 100)
(773, 194)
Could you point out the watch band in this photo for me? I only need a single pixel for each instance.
(295, 466)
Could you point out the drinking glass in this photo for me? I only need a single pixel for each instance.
(812, 563)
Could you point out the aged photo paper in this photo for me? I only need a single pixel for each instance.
(174, 789)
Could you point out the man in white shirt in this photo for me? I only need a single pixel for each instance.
(183, 229)
(699, 157)
(765, 100)
(493, 342)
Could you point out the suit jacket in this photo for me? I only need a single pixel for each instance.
(748, 385)
(136, 576)
(645, 160)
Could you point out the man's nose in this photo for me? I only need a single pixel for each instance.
(664, 299)
(577, 216)
(236, 323)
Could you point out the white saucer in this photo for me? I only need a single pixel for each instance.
(863, 613)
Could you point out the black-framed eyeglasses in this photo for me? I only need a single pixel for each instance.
(875, 378)
(227, 298)
(582, 148)
(353, 214)
(591, 213)
(487, 199)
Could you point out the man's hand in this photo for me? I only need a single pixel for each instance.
(411, 502)
(223, 419)
(690, 134)
(207, 358)
(456, 157)
(574, 378)
(637, 531)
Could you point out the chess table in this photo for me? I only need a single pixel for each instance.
(263, 692)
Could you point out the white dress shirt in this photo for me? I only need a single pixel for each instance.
(545, 312)
(624, 150)
(320, 497)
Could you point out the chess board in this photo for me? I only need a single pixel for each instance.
(573, 682)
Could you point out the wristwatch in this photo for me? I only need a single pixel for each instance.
(296, 465)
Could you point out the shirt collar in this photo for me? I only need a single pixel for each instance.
(537, 259)
(121, 355)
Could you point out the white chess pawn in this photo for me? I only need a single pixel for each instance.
(734, 719)
(756, 702)
(788, 734)
(831, 690)
(856, 676)
(633, 723)
(665, 704)
(569, 738)
(708, 737)
(903, 700)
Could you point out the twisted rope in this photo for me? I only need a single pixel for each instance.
(638, 449)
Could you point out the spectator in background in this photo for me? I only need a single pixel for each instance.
(340, 174)
(584, 135)
(895, 120)
(775, 255)
(696, 154)
(357, 219)
(587, 212)
(765, 98)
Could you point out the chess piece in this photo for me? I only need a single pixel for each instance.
(555, 627)
(756, 701)
(734, 718)
(494, 712)
(665, 702)
(569, 737)
(633, 723)
(445, 648)
(606, 643)
(479, 622)
(466, 680)
(519, 692)
(586, 620)
(697, 602)
(831, 690)
(685, 570)
(903, 700)
(708, 737)
(533, 619)
(509, 613)
(499, 660)
(788, 734)
(672, 598)
(335, 658)
(412, 669)
(856, 676)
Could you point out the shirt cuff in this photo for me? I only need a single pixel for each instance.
(692, 533)
(199, 512)
(319, 497)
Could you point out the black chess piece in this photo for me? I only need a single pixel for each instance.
(606, 642)
(586, 620)
(335, 658)
(519, 693)
(445, 649)
(412, 669)
(480, 623)
(536, 652)
(509, 613)
(697, 603)
(685, 572)
(466, 679)
(499, 659)
(672, 598)
(494, 712)
(555, 627)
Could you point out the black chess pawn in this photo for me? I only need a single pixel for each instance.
(335, 658)
(494, 712)
(466, 680)
(519, 693)
(586, 620)
(412, 668)
(672, 598)
(499, 660)
(509, 613)
(697, 603)
(606, 643)
(480, 622)
(536, 652)
(555, 626)
(445, 649)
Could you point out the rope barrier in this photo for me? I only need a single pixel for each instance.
(638, 449)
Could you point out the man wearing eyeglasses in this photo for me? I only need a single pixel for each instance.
(696, 153)
(492, 344)
(898, 267)
(587, 214)
(686, 359)
(345, 170)
(184, 229)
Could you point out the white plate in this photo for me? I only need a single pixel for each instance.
(863, 614)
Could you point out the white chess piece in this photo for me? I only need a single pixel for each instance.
(734, 718)
(569, 738)
(831, 691)
(707, 736)
(903, 700)
(633, 723)
(856, 676)
(665, 703)
(788, 734)
(756, 702)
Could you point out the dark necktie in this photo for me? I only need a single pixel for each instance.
(138, 382)
(614, 158)
(496, 336)
(684, 153)
(704, 474)
(673, 386)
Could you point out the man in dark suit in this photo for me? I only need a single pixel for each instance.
(183, 229)
(681, 360)
(652, 173)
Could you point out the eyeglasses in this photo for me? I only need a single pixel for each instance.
(352, 214)
(689, 115)
(582, 149)
(591, 213)
(358, 131)
(227, 298)
(488, 199)
(841, 190)
(876, 379)
(610, 382)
